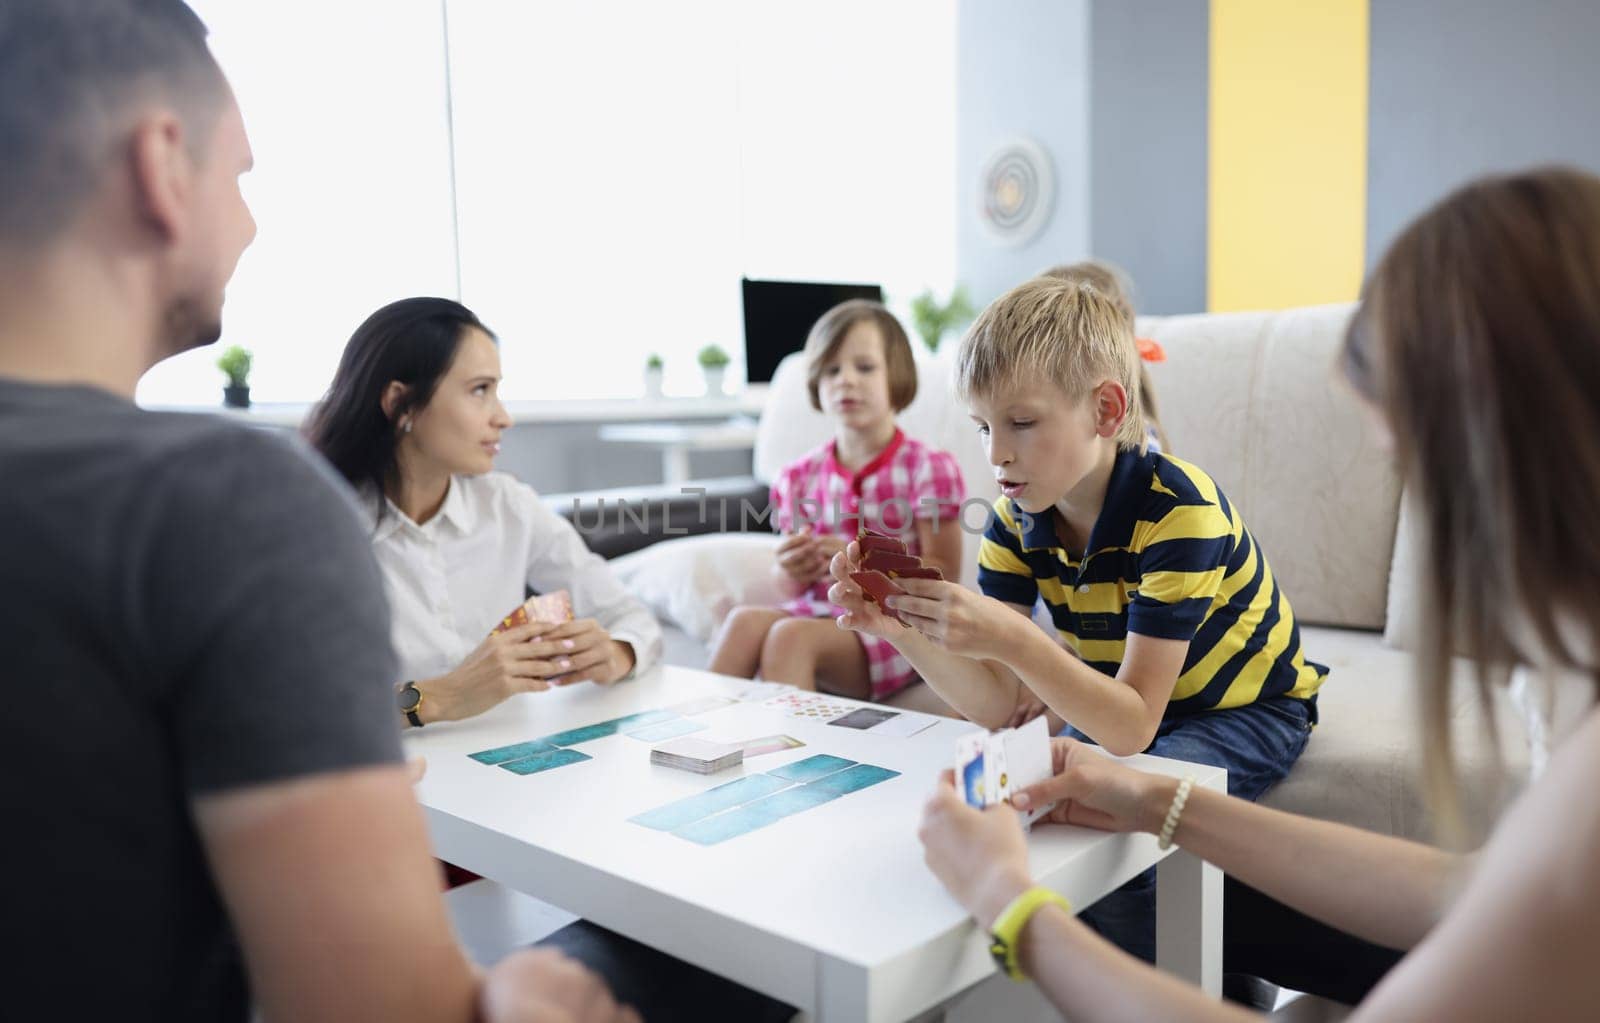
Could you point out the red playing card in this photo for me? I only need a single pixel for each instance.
(920, 572)
(878, 587)
(886, 562)
(871, 541)
(546, 609)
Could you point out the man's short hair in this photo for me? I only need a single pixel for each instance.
(1064, 331)
(828, 333)
(70, 70)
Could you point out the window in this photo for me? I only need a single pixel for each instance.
(617, 168)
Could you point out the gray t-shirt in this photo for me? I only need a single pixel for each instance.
(187, 606)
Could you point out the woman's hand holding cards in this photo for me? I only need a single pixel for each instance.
(504, 664)
(582, 650)
(981, 856)
(1094, 791)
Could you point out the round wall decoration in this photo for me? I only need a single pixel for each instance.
(1018, 188)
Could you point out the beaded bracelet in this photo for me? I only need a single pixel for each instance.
(1174, 812)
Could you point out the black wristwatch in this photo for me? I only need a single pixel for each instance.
(410, 700)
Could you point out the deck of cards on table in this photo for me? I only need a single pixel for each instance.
(883, 560)
(992, 765)
(701, 756)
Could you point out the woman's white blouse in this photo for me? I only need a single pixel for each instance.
(452, 579)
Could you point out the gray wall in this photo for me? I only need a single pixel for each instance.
(1473, 87)
(1021, 70)
(1148, 89)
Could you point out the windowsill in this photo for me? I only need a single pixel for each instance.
(748, 402)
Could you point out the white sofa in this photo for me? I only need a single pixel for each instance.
(1252, 398)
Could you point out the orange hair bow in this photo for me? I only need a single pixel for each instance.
(1149, 350)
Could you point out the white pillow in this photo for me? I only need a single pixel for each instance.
(694, 581)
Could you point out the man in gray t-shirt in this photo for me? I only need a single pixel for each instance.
(188, 607)
(199, 765)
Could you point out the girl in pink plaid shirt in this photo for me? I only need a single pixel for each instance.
(861, 373)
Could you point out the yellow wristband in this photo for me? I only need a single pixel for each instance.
(1008, 926)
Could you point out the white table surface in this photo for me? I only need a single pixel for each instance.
(832, 909)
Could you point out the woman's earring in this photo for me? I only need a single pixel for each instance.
(406, 426)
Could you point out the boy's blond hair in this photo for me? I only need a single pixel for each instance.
(1113, 282)
(1051, 329)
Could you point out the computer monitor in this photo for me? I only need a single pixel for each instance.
(778, 315)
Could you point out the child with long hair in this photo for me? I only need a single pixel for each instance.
(861, 374)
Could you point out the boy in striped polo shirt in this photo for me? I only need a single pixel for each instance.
(1174, 637)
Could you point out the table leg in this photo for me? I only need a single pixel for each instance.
(674, 464)
(1189, 920)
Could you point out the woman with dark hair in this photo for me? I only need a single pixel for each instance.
(413, 420)
(1477, 344)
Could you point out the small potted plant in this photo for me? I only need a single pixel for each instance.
(652, 376)
(931, 319)
(713, 363)
(235, 363)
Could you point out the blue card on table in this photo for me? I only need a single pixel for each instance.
(545, 761)
(853, 779)
(812, 768)
(588, 733)
(687, 811)
(753, 816)
(503, 754)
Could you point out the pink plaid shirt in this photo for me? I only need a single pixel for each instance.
(908, 480)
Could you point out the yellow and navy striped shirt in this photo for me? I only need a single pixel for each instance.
(1168, 557)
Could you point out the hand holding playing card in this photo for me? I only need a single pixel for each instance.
(1092, 790)
(981, 856)
(582, 650)
(957, 619)
(860, 614)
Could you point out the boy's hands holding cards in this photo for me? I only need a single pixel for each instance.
(957, 619)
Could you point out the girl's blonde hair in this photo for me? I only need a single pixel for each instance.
(1067, 332)
(1113, 282)
(827, 334)
(1478, 337)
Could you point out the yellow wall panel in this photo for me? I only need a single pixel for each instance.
(1287, 203)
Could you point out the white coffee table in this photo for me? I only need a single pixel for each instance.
(831, 910)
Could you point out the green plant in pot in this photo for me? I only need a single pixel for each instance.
(653, 367)
(713, 364)
(931, 319)
(235, 364)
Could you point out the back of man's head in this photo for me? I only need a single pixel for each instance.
(72, 72)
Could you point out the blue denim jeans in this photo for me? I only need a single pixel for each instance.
(1257, 745)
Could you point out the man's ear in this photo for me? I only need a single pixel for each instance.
(1110, 408)
(390, 400)
(163, 173)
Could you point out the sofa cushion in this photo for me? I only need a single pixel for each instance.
(694, 581)
(1251, 399)
(1363, 763)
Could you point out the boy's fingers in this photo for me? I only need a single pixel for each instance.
(931, 589)
(922, 607)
